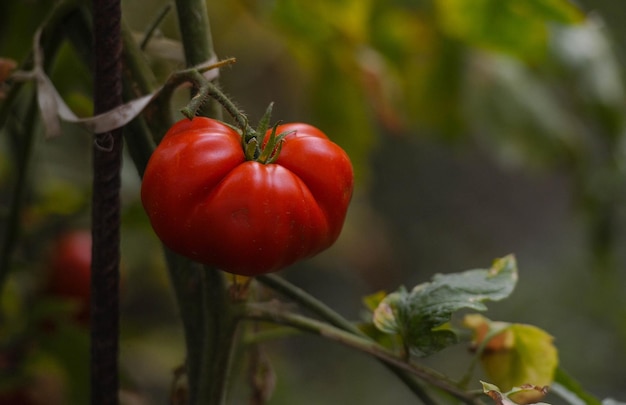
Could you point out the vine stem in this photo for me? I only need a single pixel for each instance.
(205, 309)
(154, 25)
(19, 190)
(195, 32)
(274, 313)
(322, 310)
(209, 327)
(50, 42)
(311, 303)
(200, 293)
(207, 90)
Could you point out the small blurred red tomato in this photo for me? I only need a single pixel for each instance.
(69, 270)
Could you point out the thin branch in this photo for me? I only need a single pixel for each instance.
(325, 312)
(205, 91)
(274, 313)
(308, 301)
(18, 194)
(154, 25)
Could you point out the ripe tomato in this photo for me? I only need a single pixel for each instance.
(69, 270)
(207, 202)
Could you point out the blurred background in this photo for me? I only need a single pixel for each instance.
(477, 129)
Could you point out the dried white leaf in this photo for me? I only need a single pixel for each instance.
(54, 109)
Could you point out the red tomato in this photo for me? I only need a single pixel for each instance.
(207, 202)
(69, 270)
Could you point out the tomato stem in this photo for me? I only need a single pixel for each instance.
(205, 89)
(270, 151)
(195, 32)
(208, 324)
(154, 25)
(252, 141)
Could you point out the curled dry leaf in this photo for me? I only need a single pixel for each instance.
(516, 357)
(54, 109)
(517, 395)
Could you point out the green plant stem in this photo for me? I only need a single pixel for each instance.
(138, 80)
(206, 90)
(322, 310)
(195, 31)
(220, 335)
(209, 326)
(308, 301)
(200, 294)
(213, 336)
(154, 25)
(50, 42)
(274, 313)
(19, 191)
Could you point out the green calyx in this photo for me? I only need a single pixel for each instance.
(256, 147)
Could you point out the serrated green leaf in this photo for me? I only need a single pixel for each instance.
(450, 292)
(419, 316)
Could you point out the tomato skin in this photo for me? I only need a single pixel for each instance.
(69, 270)
(207, 202)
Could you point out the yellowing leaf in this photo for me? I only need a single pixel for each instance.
(386, 316)
(525, 357)
(371, 301)
(488, 335)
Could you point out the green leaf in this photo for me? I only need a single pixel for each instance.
(420, 316)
